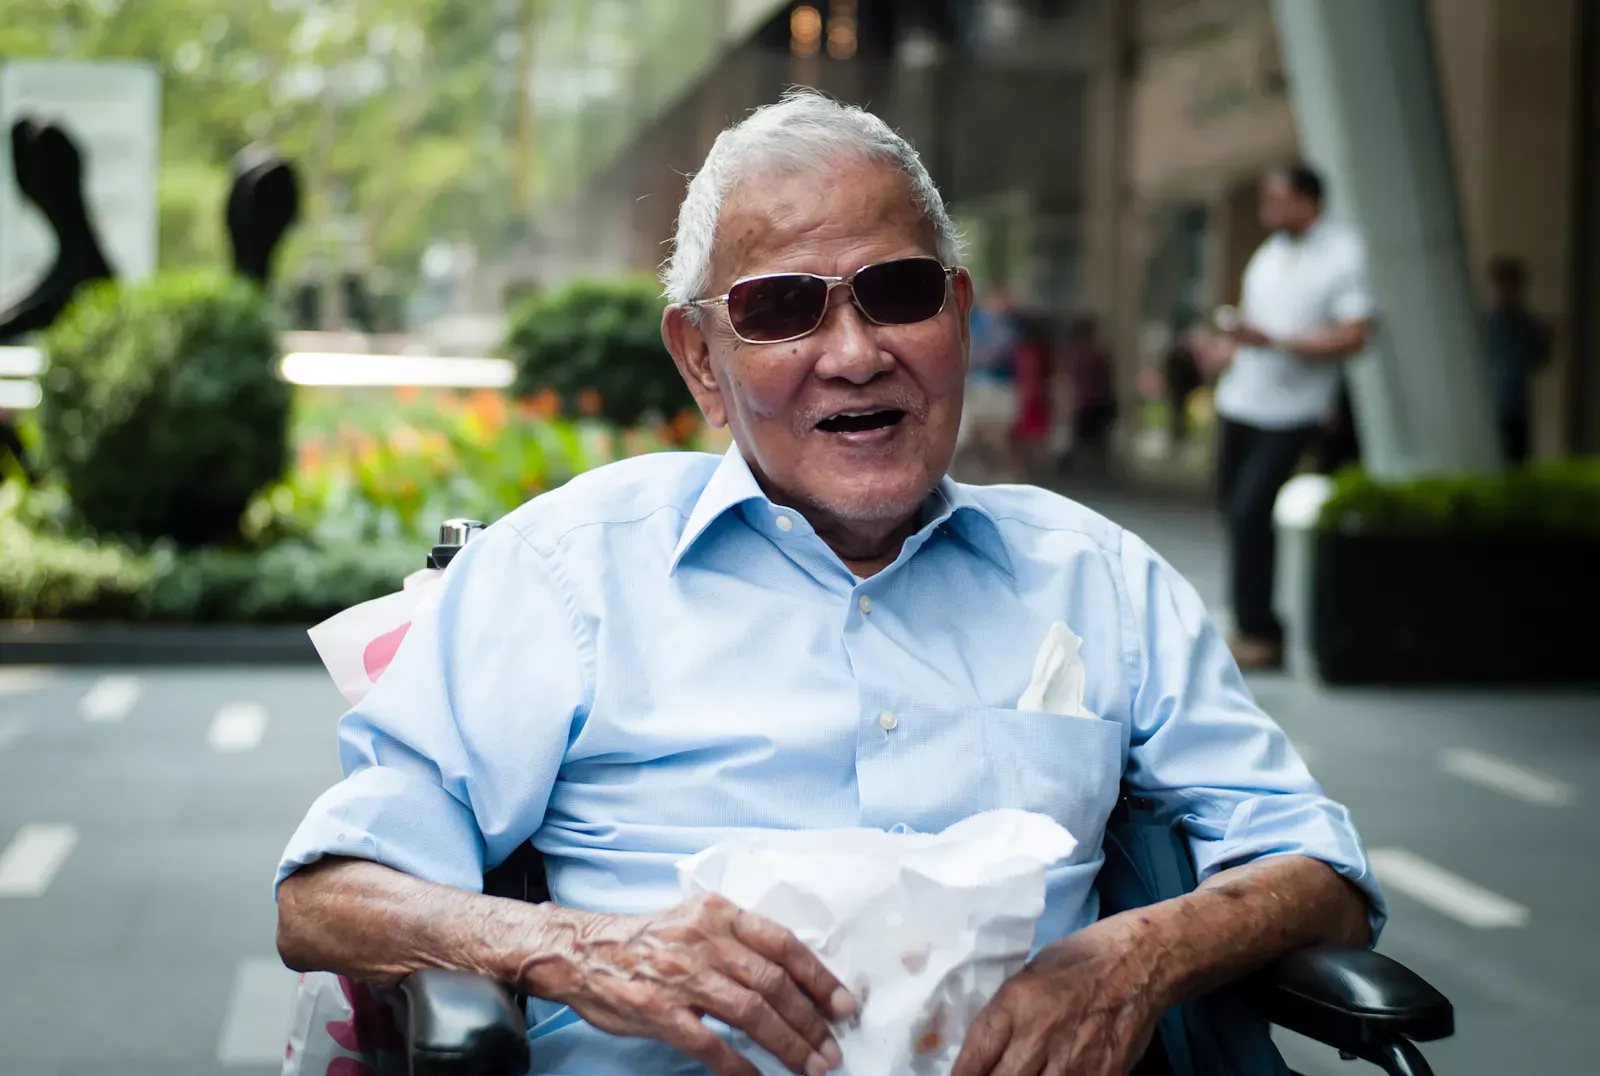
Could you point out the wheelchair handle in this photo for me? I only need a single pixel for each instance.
(453, 534)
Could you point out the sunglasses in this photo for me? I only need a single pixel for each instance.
(780, 307)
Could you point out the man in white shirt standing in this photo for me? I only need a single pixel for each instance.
(1305, 310)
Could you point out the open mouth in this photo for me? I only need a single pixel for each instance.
(861, 421)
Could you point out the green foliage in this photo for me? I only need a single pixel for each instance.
(399, 113)
(601, 337)
(1560, 498)
(371, 467)
(52, 570)
(162, 410)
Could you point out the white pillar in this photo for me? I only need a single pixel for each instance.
(1365, 87)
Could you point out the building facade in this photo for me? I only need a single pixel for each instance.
(1100, 155)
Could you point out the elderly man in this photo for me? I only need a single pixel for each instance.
(818, 629)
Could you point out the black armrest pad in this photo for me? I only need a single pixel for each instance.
(463, 1025)
(1351, 999)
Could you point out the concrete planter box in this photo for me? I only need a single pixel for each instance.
(1457, 609)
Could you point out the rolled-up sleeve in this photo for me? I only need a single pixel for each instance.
(1206, 754)
(1351, 299)
(450, 760)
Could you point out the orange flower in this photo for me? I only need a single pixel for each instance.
(404, 440)
(490, 407)
(311, 454)
(685, 425)
(406, 395)
(544, 404)
(589, 403)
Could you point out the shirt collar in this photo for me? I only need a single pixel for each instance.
(953, 504)
(733, 484)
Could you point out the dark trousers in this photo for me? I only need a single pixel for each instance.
(1514, 437)
(1252, 465)
(1338, 446)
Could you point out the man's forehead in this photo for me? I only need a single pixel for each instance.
(818, 221)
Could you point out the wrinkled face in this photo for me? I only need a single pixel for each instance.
(1283, 208)
(856, 421)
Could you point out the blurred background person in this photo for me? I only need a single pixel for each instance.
(1033, 361)
(989, 412)
(1087, 364)
(1306, 308)
(1518, 345)
(1181, 375)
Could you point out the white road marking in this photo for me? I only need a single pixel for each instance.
(12, 729)
(1449, 894)
(110, 698)
(237, 727)
(1507, 778)
(257, 1024)
(30, 862)
(20, 678)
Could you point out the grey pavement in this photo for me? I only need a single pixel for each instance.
(137, 844)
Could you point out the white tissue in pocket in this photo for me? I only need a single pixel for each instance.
(923, 928)
(1058, 676)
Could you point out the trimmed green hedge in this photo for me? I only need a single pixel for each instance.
(1560, 498)
(162, 409)
(52, 576)
(597, 345)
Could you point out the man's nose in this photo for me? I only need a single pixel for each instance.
(850, 349)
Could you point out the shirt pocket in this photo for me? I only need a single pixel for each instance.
(1069, 768)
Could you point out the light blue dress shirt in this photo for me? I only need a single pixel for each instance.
(655, 658)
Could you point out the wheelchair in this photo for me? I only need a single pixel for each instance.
(1359, 1002)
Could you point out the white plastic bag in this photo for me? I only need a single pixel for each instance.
(922, 928)
(341, 1027)
(357, 645)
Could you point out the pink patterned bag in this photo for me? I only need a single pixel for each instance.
(341, 1027)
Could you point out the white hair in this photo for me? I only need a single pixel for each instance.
(801, 129)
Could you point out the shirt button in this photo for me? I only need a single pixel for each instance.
(785, 523)
(865, 603)
(887, 721)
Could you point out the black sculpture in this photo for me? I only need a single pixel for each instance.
(49, 173)
(264, 202)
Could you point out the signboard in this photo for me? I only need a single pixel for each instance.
(112, 111)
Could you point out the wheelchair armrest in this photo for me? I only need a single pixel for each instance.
(1354, 1000)
(463, 1025)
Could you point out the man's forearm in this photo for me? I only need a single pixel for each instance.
(374, 923)
(1333, 344)
(1242, 919)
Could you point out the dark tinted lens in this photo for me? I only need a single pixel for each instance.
(902, 292)
(777, 307)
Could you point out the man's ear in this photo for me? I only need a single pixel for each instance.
(691, 352)
(961, 283)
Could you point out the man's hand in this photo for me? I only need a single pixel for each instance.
(1086, 1006)
(1249, 335)
(1212, 353)
(656, 975)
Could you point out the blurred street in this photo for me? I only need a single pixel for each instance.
(142, 812)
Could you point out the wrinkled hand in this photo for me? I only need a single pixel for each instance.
(1085, 1006)
(655, 975)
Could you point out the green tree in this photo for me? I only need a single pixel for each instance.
(399, 113)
